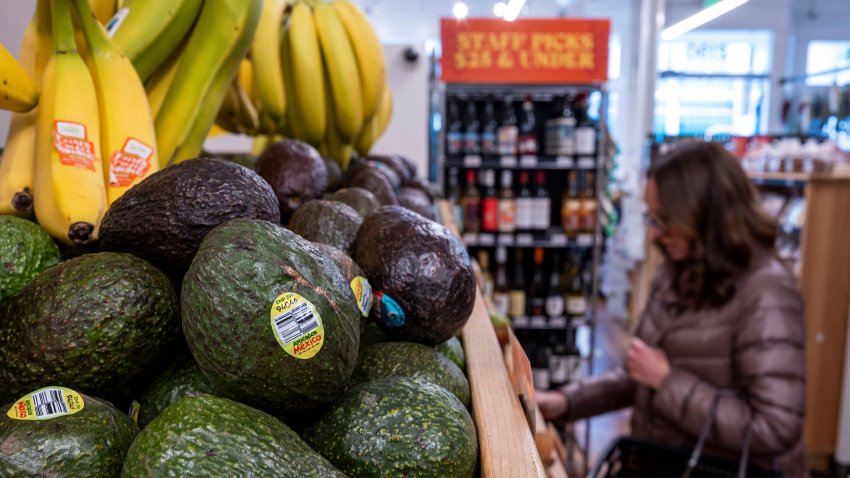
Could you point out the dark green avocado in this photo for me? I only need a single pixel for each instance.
(407, 359)
(346, 264)
(393, 162)
(370, 179)
(361, 200)
(182, 378)
(335, 175)
(416, 201)
(92, 443)
(202, 436)
(97, 323)
(328, 222)
(238, 308)
(25, 251)
(296, 173)
(164, 218)
(421, 274)
(453, 350)
(398, 426)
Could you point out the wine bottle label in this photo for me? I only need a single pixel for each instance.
(490, 214)
(555, 305)
(507, 215)
(540, 377)
(517, 307)
(585, 140)
(541, 210)
(559, 370)
(576, 305)
(454, 142)
(507, 138)
(488, 142)
(524, 211)
(502, 302)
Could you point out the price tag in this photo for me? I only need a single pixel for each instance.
(564, 162)
(485, 239)
(470, 239)
(507, 161)
(558, 239)
(587, 162)
(538, 322)
(506, 239)
(584, 240)
(520, 322)
(528, 161)
(524, 239)
(558, 323)
(472, 161)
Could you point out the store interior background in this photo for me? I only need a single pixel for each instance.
(653, 87)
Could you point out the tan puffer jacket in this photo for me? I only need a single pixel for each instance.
(753, 345)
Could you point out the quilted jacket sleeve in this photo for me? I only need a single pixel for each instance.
(769, 363)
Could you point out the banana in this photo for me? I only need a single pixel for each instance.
(302, 60)
(17, 167)
(147, 31)
(70, 196)
(334, 147)
(18, 92)
(265, 58)
(373, 129)
(209, 63)
(128, 142)
(341, 70)
(237, 114)
(157, 85)
(369, 54)
(248, 82)
(103, 9)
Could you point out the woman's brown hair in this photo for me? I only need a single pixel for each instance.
(704, 191)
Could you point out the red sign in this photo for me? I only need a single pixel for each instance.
(543, 51)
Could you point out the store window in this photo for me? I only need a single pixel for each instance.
(713, 83)
(828, 63)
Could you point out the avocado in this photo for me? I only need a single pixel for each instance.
(335, 175)
(182, 378)
(453, 350)
(393, 162)
(91, 442)
(25, 251)
(346, 264)
(206, 436)
(296, 173)
(371, 334)
(329, 222)
(97, 323)
(397, 426)
(164, 218)
(370, 179)
(407, 359)
(361, 200)
(421, 274)
(411, 166)
(386, 171)
(416, 201)
(277, 288)
(421, 185)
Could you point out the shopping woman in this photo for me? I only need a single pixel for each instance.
(724, 322)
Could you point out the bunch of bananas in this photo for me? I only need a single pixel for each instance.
(316, 73)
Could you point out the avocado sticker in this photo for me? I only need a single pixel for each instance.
(363, 294)
(297, 325)
(47, 403)
(389, 312)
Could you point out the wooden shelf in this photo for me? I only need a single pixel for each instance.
(507, 447)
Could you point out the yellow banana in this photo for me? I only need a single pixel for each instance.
(17, 165)
(157, 85)
(103, 9)
(128, 142)
(385, 113)
(334, 147)
(302, 59)
(369, 54)
(209, 63)
(237, 114)
(341, 71)
(366, 137)
(265, 58)
(248, 82)
(373, 129)
(18, 92)
(70, 196)
(148, 31)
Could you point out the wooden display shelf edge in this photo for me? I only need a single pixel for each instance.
(507, 447)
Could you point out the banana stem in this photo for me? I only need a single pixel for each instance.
(95, 36)
(63, 27)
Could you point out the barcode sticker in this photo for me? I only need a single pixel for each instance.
(47, 403)
(363, 294)
(297, 325)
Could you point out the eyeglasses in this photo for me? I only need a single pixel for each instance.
(654, 222)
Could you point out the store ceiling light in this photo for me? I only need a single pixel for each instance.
(701, 18)
(499, 9)
(513, 9)
(460, 10)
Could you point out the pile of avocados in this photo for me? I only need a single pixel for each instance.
(294, 319)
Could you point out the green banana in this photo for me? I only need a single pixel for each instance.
(216, 46)
(147, 31)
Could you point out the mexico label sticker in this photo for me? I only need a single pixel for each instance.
(47, 403)
(297, 325)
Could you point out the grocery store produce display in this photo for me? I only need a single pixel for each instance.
(453, 350)
(217, 302)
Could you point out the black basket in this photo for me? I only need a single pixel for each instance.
(630, 457)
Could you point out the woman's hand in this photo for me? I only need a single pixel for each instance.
(647, 365)
(552, 404)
